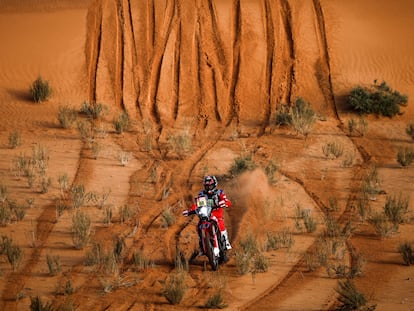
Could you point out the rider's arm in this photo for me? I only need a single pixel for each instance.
(223, 201)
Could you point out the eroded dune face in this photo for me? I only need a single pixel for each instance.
(212, 62)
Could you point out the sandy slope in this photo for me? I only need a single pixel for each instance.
(213, 71)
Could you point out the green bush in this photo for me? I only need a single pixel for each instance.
(36, 304)
(175, 288)
(67, 116)
(94, 111)
(405, 156)
(283, 116)
(410, 130)
(407, 252)
(350, 298)
(216, 301)
(40, 90)
(379, 99)
(121, 123)
(333, 149)
(80, 229)
(242, 164)
(396, 209)
(14, 139)
(303, 117)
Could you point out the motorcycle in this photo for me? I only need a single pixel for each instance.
(211, 241)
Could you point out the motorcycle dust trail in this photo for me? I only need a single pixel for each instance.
(201, 82)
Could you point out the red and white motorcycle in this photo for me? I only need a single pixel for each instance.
(212, 243)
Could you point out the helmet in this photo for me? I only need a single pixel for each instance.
(210, 183)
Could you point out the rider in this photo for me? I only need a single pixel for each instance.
(220, 202)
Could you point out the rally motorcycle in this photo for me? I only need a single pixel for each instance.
(211, 242)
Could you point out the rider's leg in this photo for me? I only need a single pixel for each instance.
(226, 239)
(224, 233)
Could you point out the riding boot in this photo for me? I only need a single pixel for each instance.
(226, 239)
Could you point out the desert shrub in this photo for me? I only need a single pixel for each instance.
(80, 229)
(216, 301)
(36, 304)
(381, 224)
(40, 90)
(357, 127)
(270, 170)
(337, 270)
(107, 215)
(167, 217)
(125, 213)
(121, 123)
(53, 264)
(95, 148)
(405, 156)
(94, 111)
(410, 129)
(180, 143)
(244, 254)
(242, 261)
(67, 116)
(379, 99)
(14, 139)
(283, 116)
(45, 184)
(396, 209)
(94, 255)
(406, 250)
(304, 216)
(350, 298)
(119, 247)
(140, 261)
(249, 244)
(4, 193)
(175, 288)
(242, 164)
(79, 195)
(333, 149)
(283, 239)
(348, 160)
(63, 181)
(17, 209)
(371, 182)
(12, 251)
(124, 157)
(303, 117)
(5, 214)
(260, 262)
(309, 222)
(67, 305)
(86, 131)
(358, 263)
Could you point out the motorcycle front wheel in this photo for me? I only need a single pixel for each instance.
(212, 259)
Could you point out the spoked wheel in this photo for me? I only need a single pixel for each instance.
(212, 259)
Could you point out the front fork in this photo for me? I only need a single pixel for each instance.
(213, 232)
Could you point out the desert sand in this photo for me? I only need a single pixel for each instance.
(213, 72)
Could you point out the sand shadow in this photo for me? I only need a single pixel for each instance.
(20, 95)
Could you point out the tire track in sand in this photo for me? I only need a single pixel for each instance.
(270, 49)
(324, 79)
(119, 56)
(287, 23)
(154, 77)
(93, 47)
(232, 101)
(45, 224)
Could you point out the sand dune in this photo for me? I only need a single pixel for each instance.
(211, 72)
